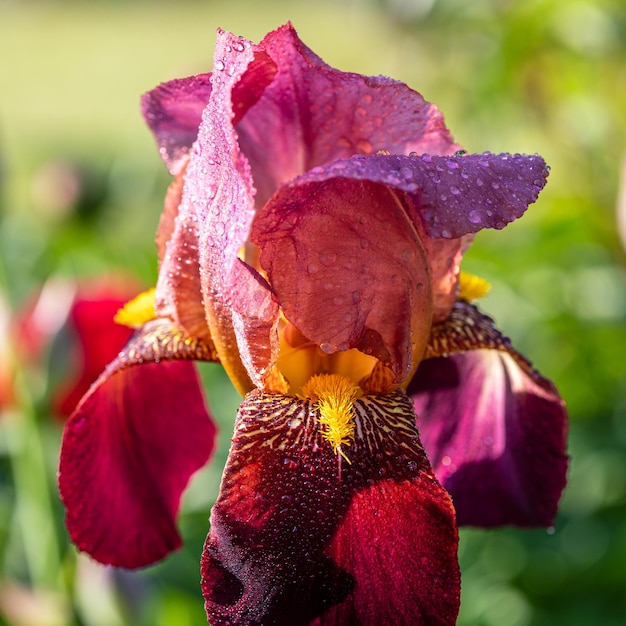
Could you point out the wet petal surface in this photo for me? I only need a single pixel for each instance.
(301, 536)
(132, 445)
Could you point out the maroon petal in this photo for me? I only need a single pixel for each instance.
(315, 114)
(495, 433)
(348, 269)
(131, 447)
(173, 110)
(301, 536)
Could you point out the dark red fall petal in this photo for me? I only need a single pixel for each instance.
(495, 433)
(315, 114)
(173, 110)
(348, 269)
(300, 536)
(128, 453)
(451, 196)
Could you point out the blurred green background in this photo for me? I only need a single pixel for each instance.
(81, 188)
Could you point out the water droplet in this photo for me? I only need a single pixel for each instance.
(337, 300)
(327, 347)
(443, 197)
(455, 191)
(356, 297)
(483, 163)
(452, 165)
(327, 257)
(311, 268)
(446, 461)
(445, 233)
(427, 158)
(495, 185)
(239, 46)
(219, 65)
(360, 111)
(474, 217)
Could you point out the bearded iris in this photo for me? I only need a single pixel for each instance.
(311, 242)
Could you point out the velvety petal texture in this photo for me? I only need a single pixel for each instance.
(495, 433)
(131, 447)
(299, 535)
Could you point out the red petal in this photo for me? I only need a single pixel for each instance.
(348, 269)
(131, 446)
(496, 435)
(299, 538)
(173, 110)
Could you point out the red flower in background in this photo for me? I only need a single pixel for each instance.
(311, 242)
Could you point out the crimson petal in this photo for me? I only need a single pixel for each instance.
(300, 536)
(131, 447)
(173, 110)
(495, 433)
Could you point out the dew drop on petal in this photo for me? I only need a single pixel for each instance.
(327, 257)
(455, 191)
(219, 65)
(474, 217)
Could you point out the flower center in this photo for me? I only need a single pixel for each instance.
(334, 396)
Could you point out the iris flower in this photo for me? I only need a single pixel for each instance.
(311, 243)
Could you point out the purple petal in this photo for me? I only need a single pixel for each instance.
(450, 196)
(315, 114)
(173, 110)
(496, 436)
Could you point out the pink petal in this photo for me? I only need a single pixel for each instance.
(348, 269)
(173, 110)
(316, 114)
(215, 218)
(495, 433)
(299, 538)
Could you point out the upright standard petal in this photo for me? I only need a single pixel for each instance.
(315, 114)
(173, 111)
(494, 429)
(349, 269)
(132, 445)
(346, 241)
(300, 535)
